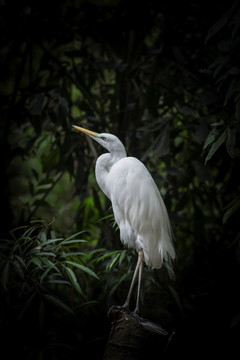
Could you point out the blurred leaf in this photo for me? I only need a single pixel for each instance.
(58, 303)
(73, 236)
(46, 253)
(73, 279)
(5, 274)
(67, 242)
(122, 256)
(43, 237)
(216, 145)
(219, 25)
(36, 104)
(201, 171)
(52, 241)
(83, 268)
(234, 206)
(106, 255)
(210, 138)
(42, 188)
(231, 141)
(20, 260)
(115, 259)
(176, 298)
(36, 261)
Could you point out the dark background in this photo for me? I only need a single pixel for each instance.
(164, 77)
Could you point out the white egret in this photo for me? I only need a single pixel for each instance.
(137, 204)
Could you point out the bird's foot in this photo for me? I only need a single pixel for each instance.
(135, 315)
(118, 308)
(117, 311)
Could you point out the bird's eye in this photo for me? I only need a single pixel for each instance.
(103, 138)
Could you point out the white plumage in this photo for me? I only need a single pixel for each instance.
(137, 203)
(140, 211)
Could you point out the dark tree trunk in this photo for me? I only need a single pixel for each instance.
(134, 338)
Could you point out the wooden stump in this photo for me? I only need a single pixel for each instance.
(134, 338)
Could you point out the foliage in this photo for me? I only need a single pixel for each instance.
(38, 272)
(162, 76)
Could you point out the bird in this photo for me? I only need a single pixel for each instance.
(138, 207)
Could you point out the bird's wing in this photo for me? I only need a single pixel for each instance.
(140, 211)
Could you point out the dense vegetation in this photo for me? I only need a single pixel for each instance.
(165, 78)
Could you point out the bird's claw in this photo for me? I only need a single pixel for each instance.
(117, 308)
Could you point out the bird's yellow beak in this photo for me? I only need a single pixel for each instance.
(85, 131)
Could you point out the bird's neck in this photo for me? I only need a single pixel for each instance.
(103, 167)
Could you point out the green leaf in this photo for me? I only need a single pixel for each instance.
(20, 260)
(73, 253)
(74, 235)
(37, 221)
(219, 25)
(36, 261)
(45, 273)
(107, 255)
(66, 242)
(43, 188)
(176, 298)
(46, 253)
(43, 236)
(53, 241)
(216, 145)
(73, 279)
(20, 227)
(18, 268)
(57, 302)
(5, 274)
(233, 88)
(118, 282)
(28, 233)
(201, 171)
(231, 210)
(83, 268)
(123, 253)
(53, 235)
(210, 138)
(114, 261)
(56, 281)
(231, 141)
(50, 264)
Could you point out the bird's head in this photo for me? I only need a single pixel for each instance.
(108, 141)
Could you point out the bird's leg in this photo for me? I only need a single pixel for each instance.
(141, 257)
(139, 262)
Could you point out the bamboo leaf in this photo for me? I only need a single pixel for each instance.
(216, 145)
(50, 264)
(36, 261)
(56, 281)
(123, 253)
(57, 302)
(106, 255)
(66, 242)
(114, 261)
(74, 235)
(5, 274)
(76, 253)
(45, 273)
(83, 268)
(20, 260)
(231, 210)
(53, 240)
(73, 279)
(46, 253)
(43, 237)
(210, 138)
